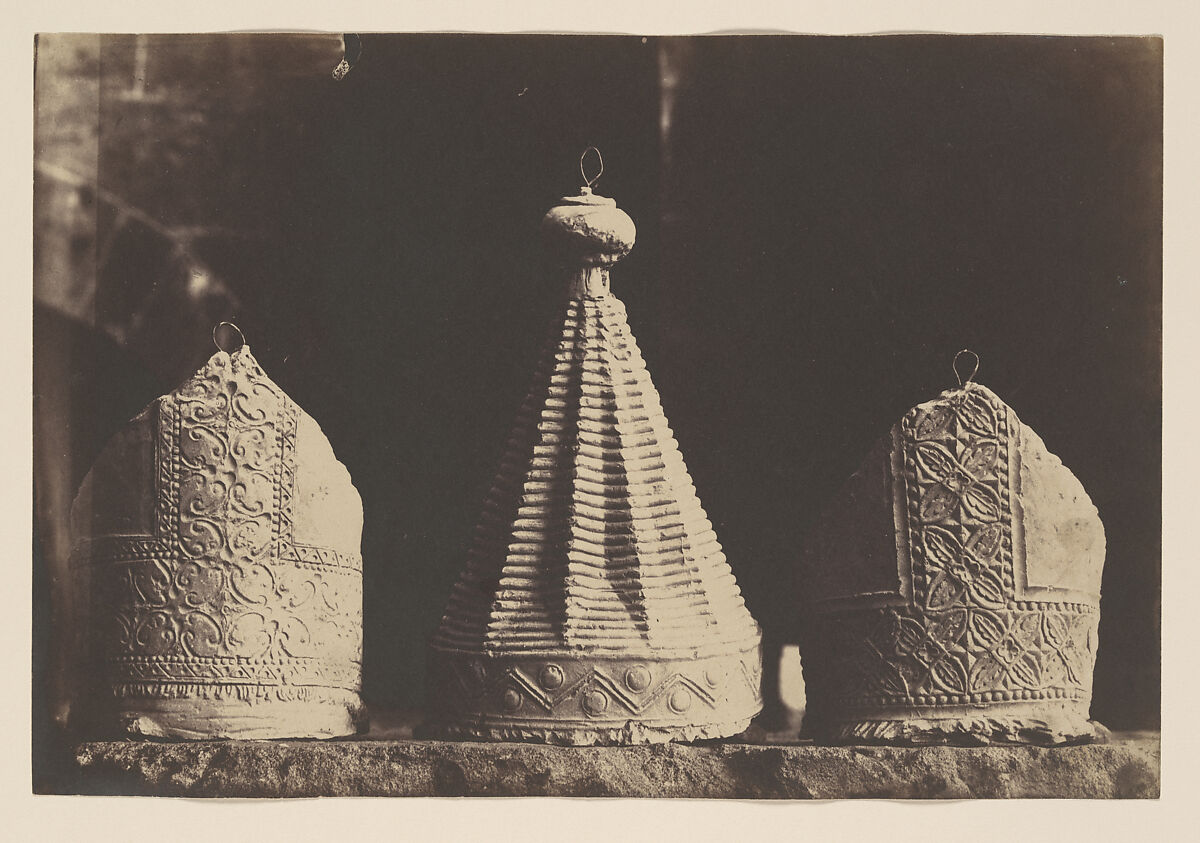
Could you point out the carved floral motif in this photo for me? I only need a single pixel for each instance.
(965, 636)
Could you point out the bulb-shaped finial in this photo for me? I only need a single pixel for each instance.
(589, 230)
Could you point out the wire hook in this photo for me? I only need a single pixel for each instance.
(589, 182)
(217, 342)
(970, 377)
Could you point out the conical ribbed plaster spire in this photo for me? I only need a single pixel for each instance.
(596, 606)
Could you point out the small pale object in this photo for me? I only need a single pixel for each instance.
(952, 587)
(217, 569)
(596, 606)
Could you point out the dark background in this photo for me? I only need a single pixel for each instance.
(822, 223)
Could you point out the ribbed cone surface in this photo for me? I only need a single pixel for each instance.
(593, 543)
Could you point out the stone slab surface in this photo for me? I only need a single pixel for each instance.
(1127, 767)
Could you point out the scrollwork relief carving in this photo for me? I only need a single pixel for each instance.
(221, 594)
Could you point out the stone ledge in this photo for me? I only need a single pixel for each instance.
(1128, 767)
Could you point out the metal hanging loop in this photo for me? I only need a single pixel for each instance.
(217, 342)
(582, 172)
(961, 383)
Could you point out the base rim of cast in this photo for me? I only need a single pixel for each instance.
(585, 699)
(185, 720)
(970, 730)
(632, 733)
